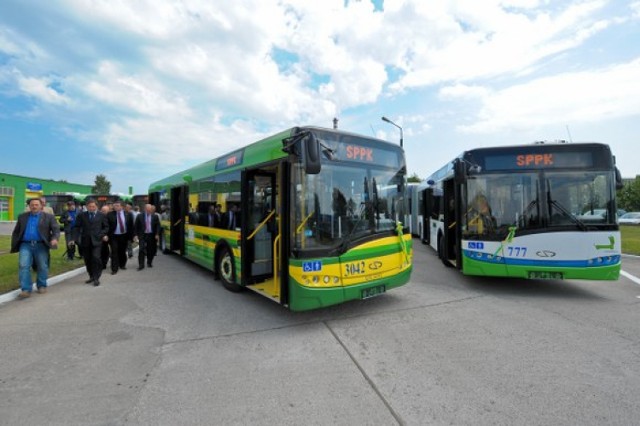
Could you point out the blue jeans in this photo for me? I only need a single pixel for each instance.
(28, 253)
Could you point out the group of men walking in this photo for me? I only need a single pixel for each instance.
(37, 231)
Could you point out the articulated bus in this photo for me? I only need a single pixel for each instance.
(103, 199)
(58, 202)
(414, 200)
(140, 201)
(317, 212)
(539, 211)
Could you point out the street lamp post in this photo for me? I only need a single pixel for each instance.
(394, 124)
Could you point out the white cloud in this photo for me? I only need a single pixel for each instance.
(133, 94)
(41, 88)
(463, 91)
(167, 81)
(466, 40)
(588, 96)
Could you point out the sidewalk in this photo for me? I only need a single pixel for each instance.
(12, 295)
(6, 227)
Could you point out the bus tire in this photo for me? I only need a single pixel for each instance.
(441, 254)
(226, 270)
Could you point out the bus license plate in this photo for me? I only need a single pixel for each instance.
(544, 275)
(373, 291)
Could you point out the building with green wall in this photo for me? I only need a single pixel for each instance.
(16, 190)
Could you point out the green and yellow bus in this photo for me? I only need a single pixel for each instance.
(317, 217)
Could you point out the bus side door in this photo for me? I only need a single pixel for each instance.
(260, 224)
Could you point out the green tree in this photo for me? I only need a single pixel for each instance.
(414, 178)
(628, 198)
(102, 185)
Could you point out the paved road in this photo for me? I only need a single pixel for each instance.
(169, 346)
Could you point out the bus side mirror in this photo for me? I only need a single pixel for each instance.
(310, 154)
(619, 184)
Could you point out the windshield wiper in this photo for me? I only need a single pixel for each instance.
(533, 203)
(563, 210)
(363, 212)
(342, 247)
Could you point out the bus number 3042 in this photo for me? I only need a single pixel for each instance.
(516, 251)
(355, 268)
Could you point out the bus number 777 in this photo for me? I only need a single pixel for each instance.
(517, 251)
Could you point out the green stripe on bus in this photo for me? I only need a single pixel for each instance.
(306, 298)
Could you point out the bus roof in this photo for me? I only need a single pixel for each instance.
(262, 151)
(480, 156)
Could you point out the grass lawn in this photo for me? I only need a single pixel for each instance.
(630, 239)
(9, 264)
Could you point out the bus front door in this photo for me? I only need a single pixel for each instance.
(261, 227)
(179, 211)
(448, 245)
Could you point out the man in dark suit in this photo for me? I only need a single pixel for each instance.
(232, 218)
(120, 234)
(213, 219)
(35, 233)
(90, 230)
(148, 234)
(105, 251)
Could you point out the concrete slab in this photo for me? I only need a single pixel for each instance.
(293, 375)
(65, 373)
(490, 361)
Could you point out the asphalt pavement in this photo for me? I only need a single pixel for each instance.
(169, 345)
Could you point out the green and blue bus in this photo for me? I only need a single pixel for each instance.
(539, 211)
(319, 217)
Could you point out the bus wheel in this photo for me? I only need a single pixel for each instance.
(226, 270)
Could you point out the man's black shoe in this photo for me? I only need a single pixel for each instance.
(149, 265)
(96, 283)
(114, 272)
(140, 268)
(89, 281)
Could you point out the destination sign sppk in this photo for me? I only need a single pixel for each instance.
(360, 153)
(534, 160)
(538, 160)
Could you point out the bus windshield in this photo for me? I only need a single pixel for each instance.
(347, 200)
(537, 201)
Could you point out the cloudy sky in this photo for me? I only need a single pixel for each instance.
(138, 90)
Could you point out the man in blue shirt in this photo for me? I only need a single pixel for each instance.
(68, 219)
(35, 233)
